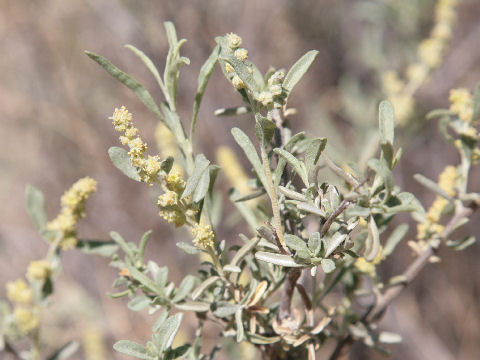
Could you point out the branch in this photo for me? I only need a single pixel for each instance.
(419, 263)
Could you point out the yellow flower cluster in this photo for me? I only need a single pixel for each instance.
(39, 270)
(167, 146)
(369, 267)
(147, 168)
(461, 102)
(26, 316)
(203, 236)
(446, 181)
(171, 209)
(430, 53)
(26, 319)
(19, 291)
(73, 209)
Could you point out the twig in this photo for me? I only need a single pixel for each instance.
(287, 292)
(416, 266)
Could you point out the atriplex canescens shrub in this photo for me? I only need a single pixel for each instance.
(307, 236)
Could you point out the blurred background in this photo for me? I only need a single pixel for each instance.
(54, 129)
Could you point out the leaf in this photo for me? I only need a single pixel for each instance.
(187, 248)
(298, 166)
(185, 288)
(313, 152)
(195, 306)
(262, 340)
(431, 185)
(202, 187)
(148, 63)
(143, 244)
(65, 351)
(258, 293)
(298, 69)
(174, 62)
(158, 323)
(295, 243)
(311, 209)
(131, 348)
(328, 265)
(394, 239)
(281, 161)
(476, 103)
(314, 241)
(239, 326)
(264, 130)
(251, 216)
(139, 303)
(123, 244)
(238, 110)
(178, 352)
(277, 259)
(97, 247)
(35, 205)
(148, 283)
(244, 251)
(386, 121)
(382, 170)
(232, 269)
(461, 244)
(137, 88)
(336, 240)
(121, 160)
(204, 286)
(201, 166)
(244, 142)
(226, 310)
(168, 330)
(387, 337)
(203, 77)
(372, 245)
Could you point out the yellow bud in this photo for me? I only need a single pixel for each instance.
(18, 291)
(39, 270)
(233, 41)
(241, 54)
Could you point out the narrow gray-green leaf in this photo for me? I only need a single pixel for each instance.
(148, 63)
(131, 348)
(239, 325)
(203, 286)
(97, 247)
(195, 306)
(313, 152)
(431, 185)
(298, 69)
(35, 204)
(264, 129)
(244, 142)
(139, 303)
(226, 310)
(187, 248)
(121, 160)
(298, 166)
(128, 81)
(476, 103)
(334, 242)
(65, 351)
(184, 289)
(386, 121)
(202, 187)
(244, 251)
(372, 245)
(168, 331)
(394, 239)
(203, 77)
(281, 161)
(277, 259)
(201, 165)
(123, 244)
(238, 110)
